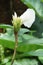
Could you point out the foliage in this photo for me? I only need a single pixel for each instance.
(28, 44)
(37, 5)
(30, 41)
(24, 61)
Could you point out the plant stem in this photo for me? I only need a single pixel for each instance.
(15, 48)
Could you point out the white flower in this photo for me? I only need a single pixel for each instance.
(27, 18)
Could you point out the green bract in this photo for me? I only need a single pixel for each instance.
(16, 23)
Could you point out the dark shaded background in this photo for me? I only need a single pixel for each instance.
(7, 7)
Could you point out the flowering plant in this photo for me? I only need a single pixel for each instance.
(27, 18)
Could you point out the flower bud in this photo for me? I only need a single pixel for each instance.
(16, 23)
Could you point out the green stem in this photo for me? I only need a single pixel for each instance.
(15, 48)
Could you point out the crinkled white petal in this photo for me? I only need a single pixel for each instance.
(28, 17)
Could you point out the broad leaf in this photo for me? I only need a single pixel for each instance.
(23, 30)
(24, 62)
(4, 26)
(24, 45)
(41, 58)
(26, 42)
(38, 52)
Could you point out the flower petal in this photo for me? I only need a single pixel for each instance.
(14, 16)
(28, 17)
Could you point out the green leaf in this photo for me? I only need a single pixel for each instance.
(38, 52)
(10, 31)
(23, 30)
(35, 4)
(5, 60)
(4, 26)
(27, 44)
(41, 58)
(9, 63)
(38, 27)
(24, 62)
(7, 40)
(41, 0)
(30, 44)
